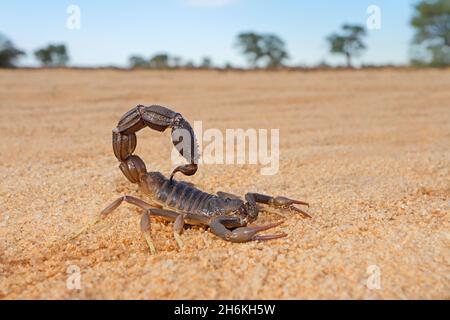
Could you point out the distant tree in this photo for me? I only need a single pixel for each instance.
(348, 43)
(54, 55)
(228, 65)
(136, 61)
(250, 45)
(159, 61)
(432, 39)
(274, 50)
(190, 64)
(176, 61)
(206, 63)
(8, 53)
(257, 47)
(323, 64)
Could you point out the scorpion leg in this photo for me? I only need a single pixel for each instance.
(181, 219)
(113, 206)
(242, 234)
(178, 228)
(277, 202)
(187, 218)
(147, 231)
(145, 221)
(146, 225)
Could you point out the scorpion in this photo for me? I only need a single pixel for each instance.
(226, 215)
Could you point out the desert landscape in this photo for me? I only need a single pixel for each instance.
(368, 149)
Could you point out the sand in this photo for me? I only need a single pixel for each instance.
(370, 150)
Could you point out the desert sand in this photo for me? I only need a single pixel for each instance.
(370, 150)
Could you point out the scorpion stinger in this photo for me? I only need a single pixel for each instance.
(184, 140)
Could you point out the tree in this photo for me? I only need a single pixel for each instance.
(432, 39)
(250, 45)
(274, 50)
(190, 64)
(228, 65)
(8, 53)
(176, 61)
(159, 61)
(206, 63)
(267, 47)
(136, 61)
(54, 55)
(348, 43)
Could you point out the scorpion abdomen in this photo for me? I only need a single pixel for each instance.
(180, 195)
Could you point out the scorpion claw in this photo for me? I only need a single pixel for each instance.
(286, 203)
(264, 237)
(242, 234)
(305, 214)
(245, 234)
(301, 202)
(264, 228)
(283, 201)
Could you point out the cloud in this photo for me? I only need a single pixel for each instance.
(210, 3)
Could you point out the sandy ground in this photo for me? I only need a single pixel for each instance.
(370, 150)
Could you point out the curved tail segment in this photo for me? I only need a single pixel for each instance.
(157, 118)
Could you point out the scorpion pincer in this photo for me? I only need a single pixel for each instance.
(226, 215)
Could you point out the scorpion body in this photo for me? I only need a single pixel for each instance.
(226, 215)
(184, 197)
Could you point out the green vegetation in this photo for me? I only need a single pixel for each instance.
(136, 61)
(348, 43)
(268, 48)
(431, 43)
(166, 61)
(159, 61)
(9, 54)
(206, 63)
(54, 55)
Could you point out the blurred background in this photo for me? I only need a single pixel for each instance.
(225, 33)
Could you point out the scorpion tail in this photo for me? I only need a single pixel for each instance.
(157, 118)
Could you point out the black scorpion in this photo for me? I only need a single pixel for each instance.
(226, 215)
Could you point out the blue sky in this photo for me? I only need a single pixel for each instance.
(113, 30)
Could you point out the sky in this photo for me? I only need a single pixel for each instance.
(111, 31)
